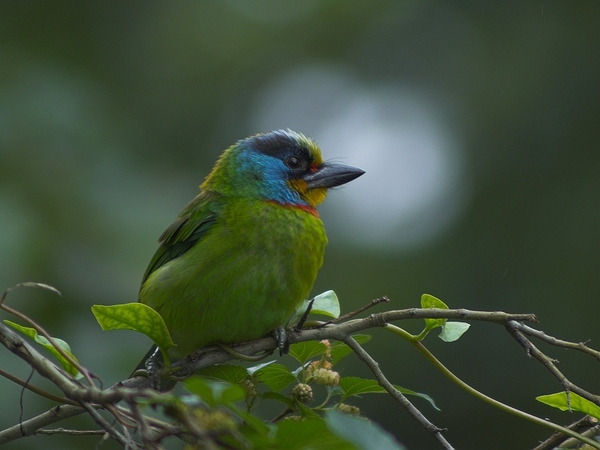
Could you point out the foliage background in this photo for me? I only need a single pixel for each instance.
(478, 124)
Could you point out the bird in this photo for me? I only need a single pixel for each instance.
(245, 252)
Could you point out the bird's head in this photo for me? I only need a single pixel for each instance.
(282, 166)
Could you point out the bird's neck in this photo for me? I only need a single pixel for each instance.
(299, 206)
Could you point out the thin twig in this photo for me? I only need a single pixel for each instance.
(396, 394)
(370, 305)
(581, 346)
(70, 432)
(531, 349)
(502, 406)
(558, 438)
(30, 427)
(44, 333)
(37, 390)
(110, 429)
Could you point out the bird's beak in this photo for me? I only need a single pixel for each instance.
(330, 175)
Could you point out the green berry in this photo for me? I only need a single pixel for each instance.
(303, 393)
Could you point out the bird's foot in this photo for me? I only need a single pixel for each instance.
(283, 340)
(302, 320)
(153, 367)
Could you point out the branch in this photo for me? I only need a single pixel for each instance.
(134, 389)
(585, 423)
(40, 329)
(581, 346)
(31, 426)
(35, 389)
(396, 394)
(514, 329)
(214, 355)
(13, 342)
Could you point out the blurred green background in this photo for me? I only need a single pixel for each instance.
(478, 124)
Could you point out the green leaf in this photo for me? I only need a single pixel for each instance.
(357, 386)
(215, 392)
(287, 401)
(326, 304)
(577, 402)
(311, 433)
(136, 317)
(364, 434)
(418, 394)
(33, 334)
(305, 411)
(253, 422)
(429, 301)
(452, 331)
(276, 376)
(351, 386)
(303, 351)
(339, 350)
(224, 372)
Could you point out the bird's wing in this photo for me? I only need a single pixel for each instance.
(189, 227)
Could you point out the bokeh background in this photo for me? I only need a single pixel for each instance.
(478, 124)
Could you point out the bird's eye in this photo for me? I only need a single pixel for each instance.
(294, 163)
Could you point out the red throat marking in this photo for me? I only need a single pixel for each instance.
(309, 209)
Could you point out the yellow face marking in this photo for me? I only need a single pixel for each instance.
(312, 196)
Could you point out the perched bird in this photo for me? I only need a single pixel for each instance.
(245, 252)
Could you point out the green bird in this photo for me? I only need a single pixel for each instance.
(244, 254)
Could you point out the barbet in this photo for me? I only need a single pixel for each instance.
(245, 252)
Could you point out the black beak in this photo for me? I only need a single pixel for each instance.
(331, 175)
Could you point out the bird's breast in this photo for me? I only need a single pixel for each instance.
(245, 277)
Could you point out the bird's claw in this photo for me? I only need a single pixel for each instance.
(283, 340)
(302, 320)
(153, 368)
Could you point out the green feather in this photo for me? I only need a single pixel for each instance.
(189, 227)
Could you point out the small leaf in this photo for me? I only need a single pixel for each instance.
(577, 402)
(253, 369)
(33, 284)
(303, 351)
(351, 386)
(429, 301)
(364, 434)
(326, 304)
(136, 317)
(452, 331)
(276, 376)
(224, 372)
(33, 334)
(215, 392)
(339, 350)
(357, 386)
(418, 394)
